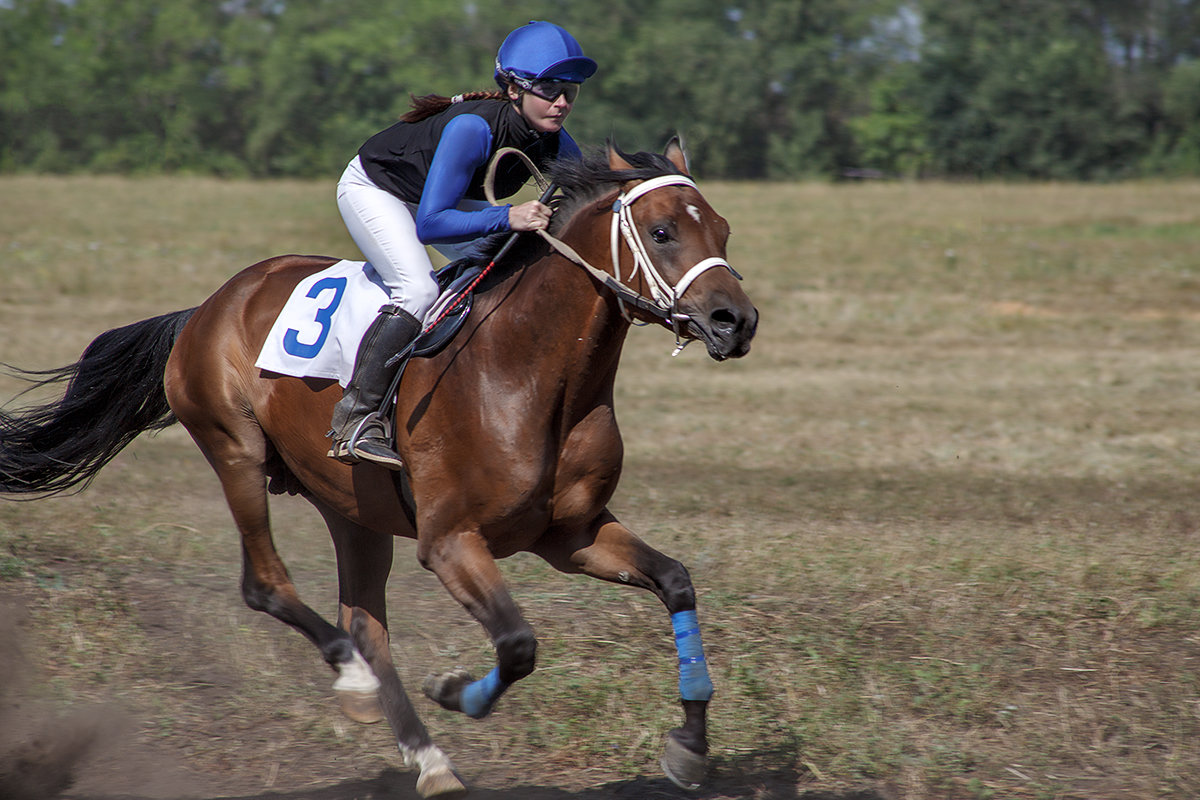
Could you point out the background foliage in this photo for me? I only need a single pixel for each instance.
(781, 89)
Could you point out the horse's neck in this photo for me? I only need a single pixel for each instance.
(572, 327)
(578, 308)
(588, 234)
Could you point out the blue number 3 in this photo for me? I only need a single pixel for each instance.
(324, 318)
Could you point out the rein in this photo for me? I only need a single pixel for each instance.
(664, 300)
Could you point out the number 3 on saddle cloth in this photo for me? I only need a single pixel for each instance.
(317, 332)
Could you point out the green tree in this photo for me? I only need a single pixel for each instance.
(112, 84)
(759, 88)
(1155, 45)
(1177, 146)
(892, 136)
(1021, 88)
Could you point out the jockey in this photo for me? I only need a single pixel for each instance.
(421, 182)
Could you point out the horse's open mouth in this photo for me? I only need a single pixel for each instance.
(724, 339)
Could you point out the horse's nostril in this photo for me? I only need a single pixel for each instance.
(724, 320)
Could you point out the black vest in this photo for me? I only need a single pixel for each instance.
(397, 159)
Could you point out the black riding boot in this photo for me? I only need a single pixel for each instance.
(359, 432)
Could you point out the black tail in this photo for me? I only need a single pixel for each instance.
(114, 392)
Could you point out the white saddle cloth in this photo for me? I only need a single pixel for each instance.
(316, 335)
(317, 332)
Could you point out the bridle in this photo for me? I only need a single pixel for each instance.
(664, 297)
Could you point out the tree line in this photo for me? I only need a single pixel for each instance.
(760, 89)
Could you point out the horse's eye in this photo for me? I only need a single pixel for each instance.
(660, 235)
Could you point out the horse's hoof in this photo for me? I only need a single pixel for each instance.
(437, 778)
(446, 689)
(361, 706)
(442, 784)
(685, 768)
(357, 690)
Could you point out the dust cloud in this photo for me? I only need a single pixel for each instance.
(40, 749)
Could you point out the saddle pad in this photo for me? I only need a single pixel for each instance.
(316, 335)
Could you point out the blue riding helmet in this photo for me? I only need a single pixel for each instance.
(542, 51)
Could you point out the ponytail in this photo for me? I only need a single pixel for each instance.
(430, 104)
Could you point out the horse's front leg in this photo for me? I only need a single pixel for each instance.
(364, 559)
(608, 550)
(467, 569)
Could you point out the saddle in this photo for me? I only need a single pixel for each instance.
(451, 309)
(443, 320)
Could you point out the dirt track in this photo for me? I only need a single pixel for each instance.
(102, 753)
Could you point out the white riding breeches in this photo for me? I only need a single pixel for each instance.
(384, 228)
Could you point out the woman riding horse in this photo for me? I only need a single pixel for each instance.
(508, 434)
(421, 182)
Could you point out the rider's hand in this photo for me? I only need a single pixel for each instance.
(531, 216)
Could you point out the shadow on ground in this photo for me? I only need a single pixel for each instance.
(397, 785)
(772, 786)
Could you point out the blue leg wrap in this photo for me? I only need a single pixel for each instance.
(478, 698)
(694, 683)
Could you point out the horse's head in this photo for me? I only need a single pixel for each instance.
(665, 246)
(683, 241)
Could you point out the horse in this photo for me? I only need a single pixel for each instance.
(508, 437)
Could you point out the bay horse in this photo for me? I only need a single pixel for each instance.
(508, 436)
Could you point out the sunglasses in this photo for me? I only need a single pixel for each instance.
(550, 90)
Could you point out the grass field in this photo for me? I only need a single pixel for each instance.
(942, 520)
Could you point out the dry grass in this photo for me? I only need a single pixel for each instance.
(941, 519)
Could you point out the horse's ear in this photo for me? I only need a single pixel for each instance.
(616, 161)
(677, 155)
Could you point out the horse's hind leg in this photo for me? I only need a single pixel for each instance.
(236, 448)
(364, 562)
(608, 550)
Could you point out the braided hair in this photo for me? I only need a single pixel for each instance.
(430, 104)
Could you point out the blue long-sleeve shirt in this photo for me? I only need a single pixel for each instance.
(440, 160)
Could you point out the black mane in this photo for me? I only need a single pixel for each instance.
(583, 180)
